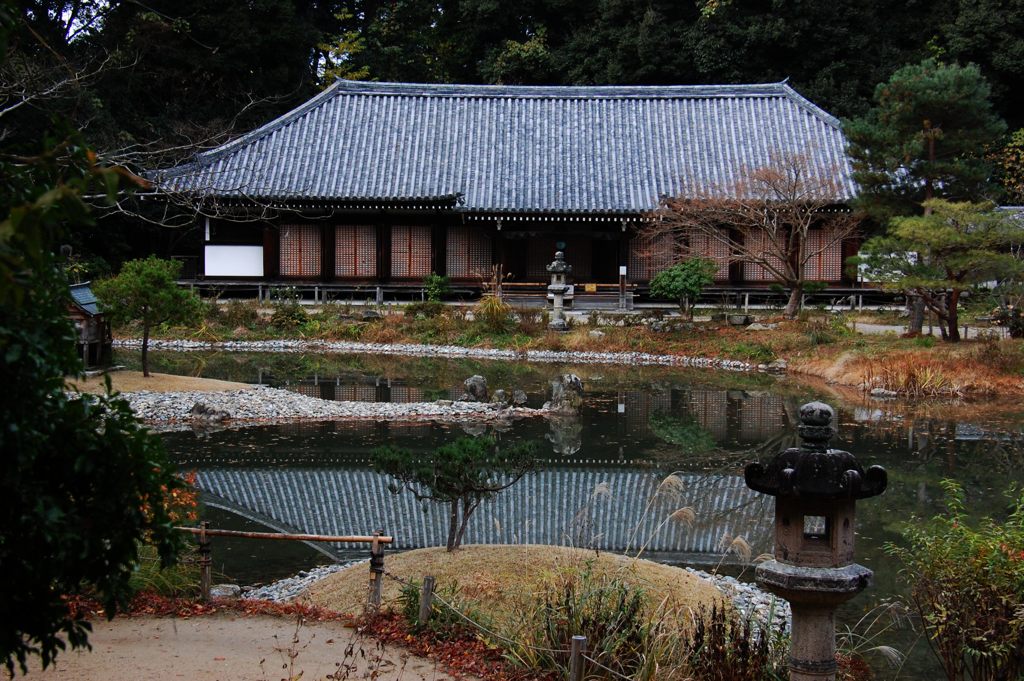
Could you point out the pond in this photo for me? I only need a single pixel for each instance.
(600, 481)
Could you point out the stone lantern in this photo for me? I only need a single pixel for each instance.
(559, 269)
(815, 490)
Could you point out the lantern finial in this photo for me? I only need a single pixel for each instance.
(816, 427)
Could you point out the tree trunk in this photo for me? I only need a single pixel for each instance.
(467, 511)
(915, 321)
(145, 350)
(953, 317)
(793, 306)
(453, 526)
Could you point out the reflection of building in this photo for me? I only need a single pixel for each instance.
(725, 414)
(641, 405)
(554, 506)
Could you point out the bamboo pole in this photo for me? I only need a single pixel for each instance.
(286, 536)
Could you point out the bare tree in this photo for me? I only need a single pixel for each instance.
(780, 221)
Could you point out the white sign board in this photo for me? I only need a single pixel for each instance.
(233, 261)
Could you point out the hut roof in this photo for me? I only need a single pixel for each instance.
(85, 299)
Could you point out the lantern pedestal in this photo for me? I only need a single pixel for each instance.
(814, 594)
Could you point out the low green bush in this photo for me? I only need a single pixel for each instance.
(967, 585)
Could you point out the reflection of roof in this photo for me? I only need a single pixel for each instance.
(85, 299)
(546, 507)
(611, 149)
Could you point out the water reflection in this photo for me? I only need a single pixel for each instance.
(598, 473)
(603, 508)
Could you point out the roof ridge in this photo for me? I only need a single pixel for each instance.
(558, 91)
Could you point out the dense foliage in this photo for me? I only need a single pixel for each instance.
(461, 474)
(967, 584)
(82, 482)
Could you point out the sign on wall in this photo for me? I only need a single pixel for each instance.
(233, 261)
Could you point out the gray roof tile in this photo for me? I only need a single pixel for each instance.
(522, 149)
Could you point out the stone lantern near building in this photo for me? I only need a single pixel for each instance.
(815, 490)
(559, 269)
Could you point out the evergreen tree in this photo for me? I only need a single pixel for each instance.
(926, 138)
(943, 253)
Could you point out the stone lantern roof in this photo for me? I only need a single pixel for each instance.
(813, 471)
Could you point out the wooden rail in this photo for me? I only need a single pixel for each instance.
(284, 535)
(376, 542)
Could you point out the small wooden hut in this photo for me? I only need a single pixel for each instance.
(94, 336)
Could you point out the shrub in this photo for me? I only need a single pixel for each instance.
(428, 309)
(494, 314)
(435, 286)
(967, 585)
(726, 647)
(288, 311)
(684, 282)
(240, 313)
(604, 608)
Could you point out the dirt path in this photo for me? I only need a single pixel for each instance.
(231, 648)
(134, 381)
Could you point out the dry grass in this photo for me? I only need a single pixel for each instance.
(968, 369)
(134, 381)
(499, 579)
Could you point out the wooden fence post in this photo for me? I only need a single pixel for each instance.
(205, 562)
(579, 646)
(376, 571)
(426, 601)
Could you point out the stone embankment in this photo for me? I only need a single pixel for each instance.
(453, 351)
(263, 404)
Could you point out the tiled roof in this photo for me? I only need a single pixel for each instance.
(552, 506)
(84, 298)
(519, 149)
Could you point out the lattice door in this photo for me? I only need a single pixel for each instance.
(825, 260)
(469, 253)
(300, 251)
(355, 251)
(761, 242)
(713, 248)
(410, 252)
(649, 255)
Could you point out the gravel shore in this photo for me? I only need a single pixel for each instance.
(260, 404)
(450, 351)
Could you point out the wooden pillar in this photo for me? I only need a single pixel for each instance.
(439, 245)
(384, 249)
(327, 252)
(271, 246)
